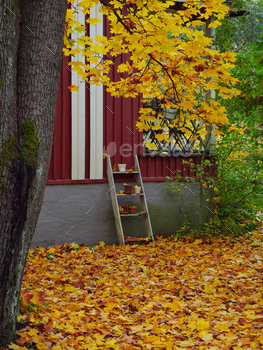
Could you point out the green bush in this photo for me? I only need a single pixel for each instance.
(228, 200)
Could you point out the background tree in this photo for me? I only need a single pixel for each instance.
(244, 35)
(236, 33)
(31, 39)
(239, 151)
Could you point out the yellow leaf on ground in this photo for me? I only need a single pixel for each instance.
(202, 324)
(223, 327)
(174, 306)
(169, 345)
(206, 336)
(209, 289)
(56, 314)
(13, 346)
(112, 344)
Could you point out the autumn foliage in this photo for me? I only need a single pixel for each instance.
(171, 294)
(170, 57)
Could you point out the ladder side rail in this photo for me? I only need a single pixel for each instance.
(114, 201)
(147, 220)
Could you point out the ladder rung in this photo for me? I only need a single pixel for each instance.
(125, 172)
(137, 214)
(132, 194)
(137, 240)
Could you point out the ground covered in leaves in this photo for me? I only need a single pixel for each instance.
(170, 294)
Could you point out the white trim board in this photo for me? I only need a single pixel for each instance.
(96, 109)
(78, 116)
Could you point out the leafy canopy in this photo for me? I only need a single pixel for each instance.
(169, 57)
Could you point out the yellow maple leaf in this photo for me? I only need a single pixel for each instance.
(93, 21)
(70, 289)
(150, 145)
(136, 329)
(45, 346)
(209, 289)
(55, 314)
(123, 67)
(112, 343)
(202, 324)
(206, 336)
(110, 306)
(174, 306)
(73, 88)
(169, 345)
(150, 118)
(217, 132)
(14, 346)
(260, 339)
(141, 126)
(161, 137)
(34, 299)
(223, 327)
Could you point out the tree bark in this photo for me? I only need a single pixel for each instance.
(30, 61)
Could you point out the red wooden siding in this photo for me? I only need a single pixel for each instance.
(157, 168)
(60, 162)
(120, 115)
(121, 139)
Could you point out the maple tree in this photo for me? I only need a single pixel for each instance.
(170, 294)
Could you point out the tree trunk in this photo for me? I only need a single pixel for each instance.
(30, 61)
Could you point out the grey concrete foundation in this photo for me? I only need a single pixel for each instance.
(82, 213)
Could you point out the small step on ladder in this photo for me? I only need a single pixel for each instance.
(114, 199)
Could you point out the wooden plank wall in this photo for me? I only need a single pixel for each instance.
(60, 162)
(158, 168)
(120, 115)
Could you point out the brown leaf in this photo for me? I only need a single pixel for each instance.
(133, 308)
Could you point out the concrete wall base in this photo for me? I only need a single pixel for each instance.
(82, 213)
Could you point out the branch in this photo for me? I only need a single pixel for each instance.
(103, 2)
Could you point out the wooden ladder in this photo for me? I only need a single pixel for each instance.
(114, 199)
